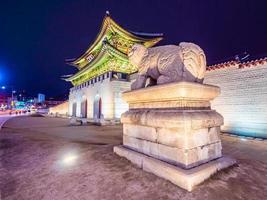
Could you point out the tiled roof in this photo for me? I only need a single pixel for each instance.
(250, 63)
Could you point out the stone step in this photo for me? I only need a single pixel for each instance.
(186, 179)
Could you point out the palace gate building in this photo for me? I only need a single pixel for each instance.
(104, 72)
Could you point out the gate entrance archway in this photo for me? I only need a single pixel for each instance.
(84, 108)
(74, 108)
(97, 107)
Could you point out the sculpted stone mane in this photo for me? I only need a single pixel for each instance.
(166, 64)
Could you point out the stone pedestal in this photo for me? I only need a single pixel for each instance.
(173, 127)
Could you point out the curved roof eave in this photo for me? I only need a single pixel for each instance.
(108, 22)
(105, 51)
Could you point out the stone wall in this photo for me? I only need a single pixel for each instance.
(60, 110)
(243, 99)
(120, 106)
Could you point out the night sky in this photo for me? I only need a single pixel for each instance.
(37, 36)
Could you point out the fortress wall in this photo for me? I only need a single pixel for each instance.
(243, 99)
(60, 110)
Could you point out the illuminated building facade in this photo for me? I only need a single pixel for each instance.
(41, 98)
(103, 72)
(243, 99)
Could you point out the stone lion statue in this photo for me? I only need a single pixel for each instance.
(166, 64)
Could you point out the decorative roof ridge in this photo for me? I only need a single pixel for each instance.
(255, 62)
(249, 63)
(123, 29)
(222, 65)
(146, 34)
(103, 26)
(107, 22)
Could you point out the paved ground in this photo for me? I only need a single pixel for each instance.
(4, 118)
(45, 158)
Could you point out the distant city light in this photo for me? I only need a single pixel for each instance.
(3, 87)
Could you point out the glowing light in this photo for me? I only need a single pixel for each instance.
(69, 159)
(3, 87)
(3, 73)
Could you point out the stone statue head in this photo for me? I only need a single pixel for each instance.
(137, 53)
(194, 60)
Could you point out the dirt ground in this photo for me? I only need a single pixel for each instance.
(45, 158)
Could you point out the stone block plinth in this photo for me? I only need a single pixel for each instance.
(186, 179)
(173, 124)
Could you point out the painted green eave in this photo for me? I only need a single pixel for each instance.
(108, 59)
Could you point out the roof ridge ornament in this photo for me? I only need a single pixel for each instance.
(107, 13)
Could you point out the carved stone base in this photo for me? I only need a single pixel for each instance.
(165, 125)
(183, 138)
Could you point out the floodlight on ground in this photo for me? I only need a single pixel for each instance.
(69, 159)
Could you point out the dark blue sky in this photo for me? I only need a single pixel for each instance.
(37, 36)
